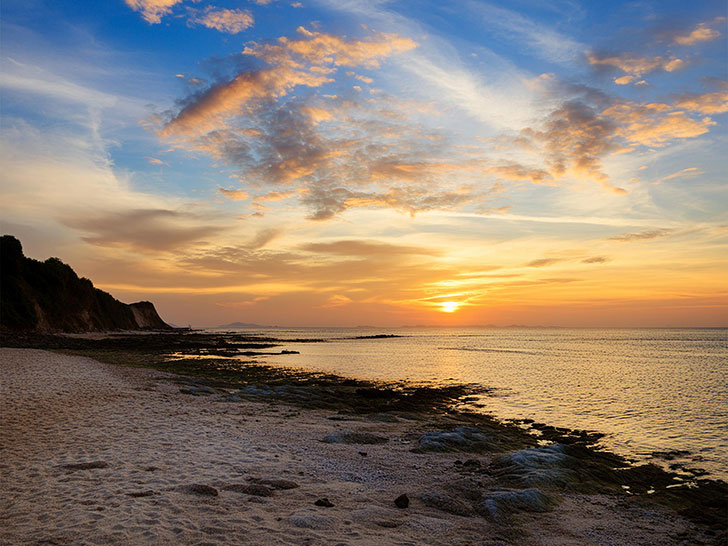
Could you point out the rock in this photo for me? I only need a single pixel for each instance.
(402, 501)
(263, 390)
(467, 439)
(471, 463)
(498, 504)
(250, 489)
(351, 437)
(199, 489)
(276, 483)
(308, 520)
(445, 503)
(326, 503)
(363, 453)
(85, 466)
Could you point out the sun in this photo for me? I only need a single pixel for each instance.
(449, 306)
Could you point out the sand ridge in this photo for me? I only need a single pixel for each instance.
(97, 454)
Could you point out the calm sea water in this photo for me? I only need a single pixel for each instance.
(648, 389)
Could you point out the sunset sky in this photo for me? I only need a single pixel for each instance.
(342, 162)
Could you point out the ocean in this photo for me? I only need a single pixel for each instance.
(657, 394)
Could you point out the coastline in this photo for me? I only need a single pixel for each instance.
(196, 431)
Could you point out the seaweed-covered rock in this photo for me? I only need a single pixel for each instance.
(466, 439)
(499, 504)
(543, 467)
(351, 437)
(445, 503)
(263, 390)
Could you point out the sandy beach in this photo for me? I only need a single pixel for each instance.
(94, 453)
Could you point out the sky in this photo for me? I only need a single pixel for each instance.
(343, 163)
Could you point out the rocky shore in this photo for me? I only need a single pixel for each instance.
(97, 453)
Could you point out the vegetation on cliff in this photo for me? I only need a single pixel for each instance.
(49, 296)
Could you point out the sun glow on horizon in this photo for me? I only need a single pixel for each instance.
(449, 306)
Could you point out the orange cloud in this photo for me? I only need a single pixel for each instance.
(321, 49)
(230, 21)
(387, 168)
(328, 201)
(575, 136)
(307, 62)
(228, 99)
(235, 195)
(152, 10)
(634, 65)
(315, 114)
(337, 300)
(701, 33)
(275, 196)
(655, 124)
(705, 103)
(514, 171)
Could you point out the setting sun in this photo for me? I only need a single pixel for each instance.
(449, 306)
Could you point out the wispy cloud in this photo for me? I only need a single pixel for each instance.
(536, 37)
(544, 262)
(682, 173)
(641, 235)
(367, 248)
(143, 229)
(595, 260)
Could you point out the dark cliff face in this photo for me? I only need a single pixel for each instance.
(49, 296)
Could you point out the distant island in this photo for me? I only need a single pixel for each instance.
(49, 297)
(241, 325)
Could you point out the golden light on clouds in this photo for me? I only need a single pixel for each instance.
(252, 182)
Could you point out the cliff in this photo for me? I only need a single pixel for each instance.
(49, 296)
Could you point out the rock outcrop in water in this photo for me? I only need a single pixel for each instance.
(48, 296)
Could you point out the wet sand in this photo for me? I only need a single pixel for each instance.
(94, 453)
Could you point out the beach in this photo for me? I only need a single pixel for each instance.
(94, 453)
